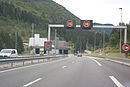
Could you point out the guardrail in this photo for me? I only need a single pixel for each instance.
(21, 61)
(123, 61)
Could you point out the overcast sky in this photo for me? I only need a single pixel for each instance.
(100, 11)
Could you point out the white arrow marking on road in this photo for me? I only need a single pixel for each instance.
(32, 82)
(116, 81)
(64, 66)
(97, 62)
(73, 62)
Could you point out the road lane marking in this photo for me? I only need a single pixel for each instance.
(64, 66)
(116, 81)
(73, 62)
(97, 62)
(30, 83)
(22, 67)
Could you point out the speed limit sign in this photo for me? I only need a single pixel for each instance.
(87, 24)
(48, 46)
(70, 24)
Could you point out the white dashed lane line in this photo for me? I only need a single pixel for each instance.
(118, 84)
(64, 67)
(97, 62)
(30, 83)
(73, 62)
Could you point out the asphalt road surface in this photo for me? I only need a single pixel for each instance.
(69, 72)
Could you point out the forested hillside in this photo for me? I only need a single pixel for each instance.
(18, 16)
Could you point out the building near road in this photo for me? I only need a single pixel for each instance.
(37, 41)
(37, 44)
(61, 46)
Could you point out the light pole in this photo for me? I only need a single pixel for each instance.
(120, 32)
(55, 41)
(103, 40)
(95, 41)
(32, 30)
(33, 34)
(16, 38)
(87, 45)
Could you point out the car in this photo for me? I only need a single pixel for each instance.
(75, 54)
(8, 53)
(79, 55)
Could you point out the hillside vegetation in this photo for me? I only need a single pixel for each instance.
(18, 16)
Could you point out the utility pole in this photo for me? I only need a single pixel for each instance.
(16, 35)
(94, 40)
(32, 30)
(80, 46)
(87, 44)
(55, 41)
(33, 37)
(120, 31)
(33, 33)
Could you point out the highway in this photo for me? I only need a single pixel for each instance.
(72, 71)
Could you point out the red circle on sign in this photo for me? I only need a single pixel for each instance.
(47, 45)
(68, 23)
(124, 47)
(86, 23)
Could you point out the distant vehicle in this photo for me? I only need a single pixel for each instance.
(79, 55)
(41, 51)
(75, 54)
(8, 53)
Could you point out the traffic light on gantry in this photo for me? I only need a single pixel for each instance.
(70, 24)
(87, 24)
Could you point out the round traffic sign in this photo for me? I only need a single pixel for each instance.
(125, 47)
(69, 23)
(86, 23)
(47, 45)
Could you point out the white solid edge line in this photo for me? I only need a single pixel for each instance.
(30, 83)
(97, 62)
(22, 67)
(116, 81)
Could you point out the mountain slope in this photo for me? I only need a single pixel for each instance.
(18, 16)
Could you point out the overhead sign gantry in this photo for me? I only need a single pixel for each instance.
(87, 25)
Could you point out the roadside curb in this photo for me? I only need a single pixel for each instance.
(116, 61)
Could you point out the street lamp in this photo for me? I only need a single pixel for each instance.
(103, 40)
(55, 42)
(120, 32)
(95, 40)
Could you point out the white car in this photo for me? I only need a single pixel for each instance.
(7, 53)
